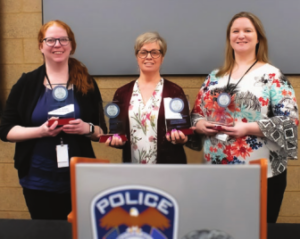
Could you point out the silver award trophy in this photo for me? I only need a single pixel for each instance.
(115, 119)
(177, 115)
(222, 112)
(60, 103)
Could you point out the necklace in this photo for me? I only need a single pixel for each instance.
(229, 77)
(59, 92)
(224, 98)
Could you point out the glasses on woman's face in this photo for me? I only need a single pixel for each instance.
(153, 53)
(51, 41)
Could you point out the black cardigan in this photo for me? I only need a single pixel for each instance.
(21, 103)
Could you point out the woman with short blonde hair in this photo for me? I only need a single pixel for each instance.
(150, 37)
(142, 109)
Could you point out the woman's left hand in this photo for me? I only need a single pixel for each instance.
(176, 137)
(239, 130)
(76, 126)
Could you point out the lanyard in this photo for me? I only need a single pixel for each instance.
(241, 77)
(50, 82)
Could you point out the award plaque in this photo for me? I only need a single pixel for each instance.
(221, 113)
(60, 103)
(177, 115)
(113, 117)
(224, 99)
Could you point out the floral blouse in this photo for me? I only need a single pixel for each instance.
(143, 124)
(264, 96)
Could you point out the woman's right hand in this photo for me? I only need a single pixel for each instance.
(20, 133)
(49, 131)
(115, 141)
(205, 127)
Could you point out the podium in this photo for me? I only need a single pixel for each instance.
(116, 201)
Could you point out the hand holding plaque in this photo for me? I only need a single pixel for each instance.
(60, 103)
(113, 117)
(177, 116)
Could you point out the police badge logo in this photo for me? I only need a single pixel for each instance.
(176, 105)
(60, 93)
(112, 110)
(134, 212)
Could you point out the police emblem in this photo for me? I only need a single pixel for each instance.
(134, 212)
(60, 93)
(176, 105)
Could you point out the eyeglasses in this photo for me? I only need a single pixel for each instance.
(154, 53)
(50, 41)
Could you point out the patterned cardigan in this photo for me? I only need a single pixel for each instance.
(264, 96)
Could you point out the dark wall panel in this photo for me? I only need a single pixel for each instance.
(194, 29)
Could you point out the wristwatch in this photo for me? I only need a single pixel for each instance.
(92, 128)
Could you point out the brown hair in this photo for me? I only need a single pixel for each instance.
(261, 47)
(78, 72)
(150, 37)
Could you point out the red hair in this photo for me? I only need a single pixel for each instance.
(78, 72)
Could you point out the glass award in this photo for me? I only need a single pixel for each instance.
(177, 115)
(220, 109)
(60, 103)
(115, 119)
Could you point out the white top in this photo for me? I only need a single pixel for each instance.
(143, 124)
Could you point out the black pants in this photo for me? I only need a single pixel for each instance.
(47, 205)
(276, 188)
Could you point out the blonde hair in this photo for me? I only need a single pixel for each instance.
(150, 37)
(261, 47)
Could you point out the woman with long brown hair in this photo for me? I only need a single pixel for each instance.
(247, 109)
(38, 159)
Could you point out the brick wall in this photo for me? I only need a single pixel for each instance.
(20, 21)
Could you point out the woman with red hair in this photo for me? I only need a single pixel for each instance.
(45, 181)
